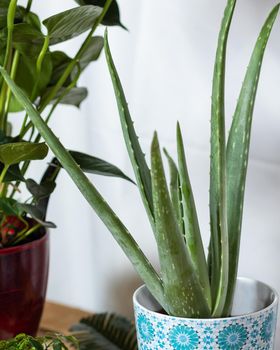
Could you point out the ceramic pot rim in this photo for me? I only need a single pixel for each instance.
(25, 246)
(254, 314)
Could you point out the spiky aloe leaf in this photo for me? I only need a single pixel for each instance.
(238, 150)
(137, 158)
(175, 193)
(218, 212)
(182, 291)
(192, 231)
(94, 198)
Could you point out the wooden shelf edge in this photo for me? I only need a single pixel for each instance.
(59, 318)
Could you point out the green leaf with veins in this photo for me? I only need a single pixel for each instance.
(27, 77)
(36, 214)
(94, 165)
(112, 17)
(71, 23)
(92, 51)
(27, 40)
(60, 61)
(4, 5)
(74, 97)
(13, 153)
(40, 191)
(9, 206)
(13, 173)
(26, 342)
(33, 19)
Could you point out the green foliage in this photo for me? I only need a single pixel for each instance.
(112, 16)
(48, 78)
(48, 342)
(105, 332)
(14, 153)
(71, 23)
(136, 155)
(183, 287)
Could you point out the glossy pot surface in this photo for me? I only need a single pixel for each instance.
(23, 283)
(252, 325)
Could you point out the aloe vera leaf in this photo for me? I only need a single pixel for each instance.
(238, 150)
(218, 211)
(183, 293)
(137, 157)
(175, 193)
(192, 231)
(94, 198)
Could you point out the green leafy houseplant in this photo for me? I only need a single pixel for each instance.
(99, 331)
(49, 77)
(48, 342)
(188, 285)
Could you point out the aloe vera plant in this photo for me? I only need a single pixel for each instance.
(187, 285)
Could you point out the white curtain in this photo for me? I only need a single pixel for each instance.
(165, 62)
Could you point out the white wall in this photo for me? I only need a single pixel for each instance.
(166, 63)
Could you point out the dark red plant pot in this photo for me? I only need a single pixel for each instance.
(23, 283)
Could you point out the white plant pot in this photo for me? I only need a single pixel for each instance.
(252, 325)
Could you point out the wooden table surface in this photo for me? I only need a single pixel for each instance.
(58, 318)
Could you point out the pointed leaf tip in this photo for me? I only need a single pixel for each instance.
(155, 141)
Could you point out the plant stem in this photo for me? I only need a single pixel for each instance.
(28, 7)
(9, 94)
(27, 233)
(39, 63)
(2, 176)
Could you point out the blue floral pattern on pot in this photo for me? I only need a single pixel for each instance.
(232, 337)
(145, 328)
(182, 337)
(158, 331)
(268, 327)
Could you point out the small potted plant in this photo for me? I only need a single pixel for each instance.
(192, 303)
(49, 78)
(48, 342)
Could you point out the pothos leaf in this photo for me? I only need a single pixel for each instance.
(13, 153)
(13, 173)
(27, 76)
(60, 61)
(112, 17)
(4, 5)
(36, 214)
(94, 165)
(74, 97)
(40, 191)
(71, 23)
(9, 206)
(27, 39)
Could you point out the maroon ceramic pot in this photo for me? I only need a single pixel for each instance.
(23, 283)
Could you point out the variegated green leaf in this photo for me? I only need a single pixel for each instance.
(182, 290)
(175, 192)
(238, 151)
(218, 212)
(192, 232)
(137, 158)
